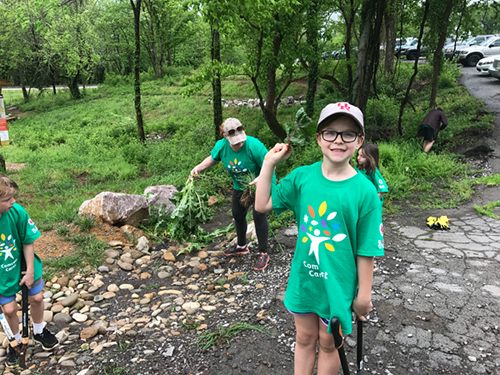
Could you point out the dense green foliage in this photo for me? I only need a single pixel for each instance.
(75, 150)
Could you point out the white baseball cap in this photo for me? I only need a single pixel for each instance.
(341, 108)
(234, 126)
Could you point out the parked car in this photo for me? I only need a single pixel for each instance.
(470, 56)
(450, 50)
(412, 53)
(494, 69)
(401, 49)
(485, 63)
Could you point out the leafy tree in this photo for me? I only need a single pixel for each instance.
(406, 99)
(22, 43)
(439, 19)
(116, 35)
(165, 26)
(269, 33)
(369, 46)
(70, 43)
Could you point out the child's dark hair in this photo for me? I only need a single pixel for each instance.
(370, 152)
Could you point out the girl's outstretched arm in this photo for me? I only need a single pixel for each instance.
(263, 200)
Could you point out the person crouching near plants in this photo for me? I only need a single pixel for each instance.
(17, 235)
(338, 215)
(242, 157)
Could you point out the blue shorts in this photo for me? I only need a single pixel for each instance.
(36, 288)
(323, 320)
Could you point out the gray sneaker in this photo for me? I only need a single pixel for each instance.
(237, 250)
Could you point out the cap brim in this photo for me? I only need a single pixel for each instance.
(237, 138)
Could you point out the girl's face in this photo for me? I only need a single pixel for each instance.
(6, 203)
(340, 149)
(361, 158)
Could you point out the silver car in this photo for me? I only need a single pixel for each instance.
(485, 63)
(494, 69)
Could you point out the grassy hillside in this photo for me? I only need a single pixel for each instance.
(76, 149)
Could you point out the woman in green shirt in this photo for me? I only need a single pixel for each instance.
(241, 156)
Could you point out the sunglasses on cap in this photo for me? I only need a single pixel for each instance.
(232, 132)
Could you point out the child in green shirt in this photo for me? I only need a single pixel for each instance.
(17, 235)
(338, 214)
(368, 165)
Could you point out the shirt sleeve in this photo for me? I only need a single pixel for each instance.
(370, 230)
(28, 232)
(380, 182)
(284, 194)
(216, 151)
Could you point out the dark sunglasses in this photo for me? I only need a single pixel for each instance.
(331, 136)
(232, 132)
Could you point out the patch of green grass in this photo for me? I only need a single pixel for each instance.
(491, 180)
(223, 335)
(488, 209)
(428, 180)
(123, 345)
(114, 369)
(85, 223)
(89, 251)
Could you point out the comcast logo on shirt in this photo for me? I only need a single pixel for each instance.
(7, 246)
(316, 230)
(235, 166)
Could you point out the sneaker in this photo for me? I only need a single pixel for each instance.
(262, 262)
(12, 357)
(237, 250)
(47, 339)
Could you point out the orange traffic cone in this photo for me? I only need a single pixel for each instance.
(4, 128)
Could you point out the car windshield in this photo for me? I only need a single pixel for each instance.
(487, 42)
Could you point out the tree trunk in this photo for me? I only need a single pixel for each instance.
(312, 30)
(137, 69)
(415, 67)
(390, 37)
(26, 94)
(73, 86)
(459, 24)
(369, 50)
(349, 16)
(216, 81)
(438, 53)
(272, 100)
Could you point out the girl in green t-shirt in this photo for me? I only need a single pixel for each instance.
(339, 220)
(367, 159)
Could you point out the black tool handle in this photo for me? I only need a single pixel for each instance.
(359, 346)
(24, 318)
(338, 339)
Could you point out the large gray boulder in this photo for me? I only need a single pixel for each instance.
(116, 208)
(160, 196)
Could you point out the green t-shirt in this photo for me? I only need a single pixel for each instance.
(337, 221)
(16, 229)
(247, 160)
(377, 180)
